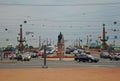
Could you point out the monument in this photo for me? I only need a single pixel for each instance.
(60, 49)
(21, 40)
(104, 44)
(60, 46)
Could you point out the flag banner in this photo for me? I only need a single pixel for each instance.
(107, 37)
(27, 33)
(115, 37)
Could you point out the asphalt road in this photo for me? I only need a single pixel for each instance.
(56, 63)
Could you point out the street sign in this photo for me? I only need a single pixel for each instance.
(107, 37)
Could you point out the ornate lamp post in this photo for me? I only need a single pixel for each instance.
(21, 40)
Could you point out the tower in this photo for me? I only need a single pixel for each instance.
(104, 44)
(21, 40)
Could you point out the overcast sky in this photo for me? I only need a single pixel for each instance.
(46, 18)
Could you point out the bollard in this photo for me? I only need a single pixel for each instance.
(44, 66)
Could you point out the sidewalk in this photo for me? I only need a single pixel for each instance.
(7, 61)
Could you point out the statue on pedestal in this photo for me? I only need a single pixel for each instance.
(60, 46)
(60, 49)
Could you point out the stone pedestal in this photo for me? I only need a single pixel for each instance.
(60, 51)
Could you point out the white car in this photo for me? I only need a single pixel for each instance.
(75, 52)
(26, 57)
(50, 49)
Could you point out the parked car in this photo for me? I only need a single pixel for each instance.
(19, 57)
(115, 56)
(68, 51)
(50, 50)
(87, 52)
(14, 56)
(104, 55)
(86, 58)
(24, 57)
(75, 52)
(81, 51)
(34, 54)
(41, 53)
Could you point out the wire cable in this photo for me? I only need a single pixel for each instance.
(82, 4)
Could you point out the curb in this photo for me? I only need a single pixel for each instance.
(8, 62)
(63, 59)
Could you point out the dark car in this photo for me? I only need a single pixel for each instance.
(68, 51)
(87, 52)
(86, 58)
(19, 57)
(104, 55)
